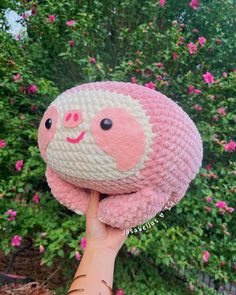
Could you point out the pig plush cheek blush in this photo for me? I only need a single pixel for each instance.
(124, 140)
(122, 137)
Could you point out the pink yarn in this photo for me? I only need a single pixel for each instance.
(173, 163)
(119, 142)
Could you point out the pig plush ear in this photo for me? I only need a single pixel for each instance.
(47, 129)
(118, 133)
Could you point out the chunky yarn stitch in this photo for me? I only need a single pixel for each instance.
(129, 142)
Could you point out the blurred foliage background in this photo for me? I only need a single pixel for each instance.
(185, 50)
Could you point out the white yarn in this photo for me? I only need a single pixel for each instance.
(78, 161)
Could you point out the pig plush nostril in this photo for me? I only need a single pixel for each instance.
(68, 117)
(76, 117)
(48, 123)
(72, 119)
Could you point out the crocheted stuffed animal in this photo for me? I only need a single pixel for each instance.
(131, 143)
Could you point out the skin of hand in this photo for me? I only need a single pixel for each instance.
(103, 243)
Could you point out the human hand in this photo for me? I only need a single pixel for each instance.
(95, 272)
(98, 234)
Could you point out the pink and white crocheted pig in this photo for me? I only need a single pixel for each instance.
(131, 143)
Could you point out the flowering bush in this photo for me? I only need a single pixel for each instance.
(185, 50)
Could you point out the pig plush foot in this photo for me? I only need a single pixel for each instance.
(126, 211)
(74, 198)
(121, 211)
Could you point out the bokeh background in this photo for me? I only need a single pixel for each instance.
(185, 49)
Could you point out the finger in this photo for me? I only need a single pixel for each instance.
(93, 205)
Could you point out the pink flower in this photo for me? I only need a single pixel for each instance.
(190, 89)
(41, 249)
(191, 286)
(222, 211)
(197, 91)
(70, 22)
(198, 107)
(51, 18)
(202, 41)
(208, 78)
(92, 60)
(205, 256)
(221, 111)
(230, 209)
(16, 241)
(71, 43)
(31, 89)
(234, 70)
(162, 3)
(36, 198)
(225, 74)
(208, 199)
(180, 40)
(133, 80)
(175, 55)
(77, 255)
(195, 31)
(208, 209)
(120, 292)
(221, 204)
(160, 65)
(25, 15)
(33, 108)
(208, 167)
(150, 85)
(210, 225)
(194, 4)
(192, 48)
(138, 71)
(19, 164)
(83, 243)
(43, 234)
(2, 143)
(33, 11)
(12, 214)
(159, 77)
(230, 147)
(16, 77)
(216, 118)
(148, 72)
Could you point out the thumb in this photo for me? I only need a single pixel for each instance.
(93, 205)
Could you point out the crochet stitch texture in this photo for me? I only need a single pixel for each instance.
(124, 140)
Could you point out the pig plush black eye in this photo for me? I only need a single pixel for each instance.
(106, 124)
(48, 123)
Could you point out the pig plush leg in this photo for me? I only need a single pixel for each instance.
(126, 211)
(72, 197)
